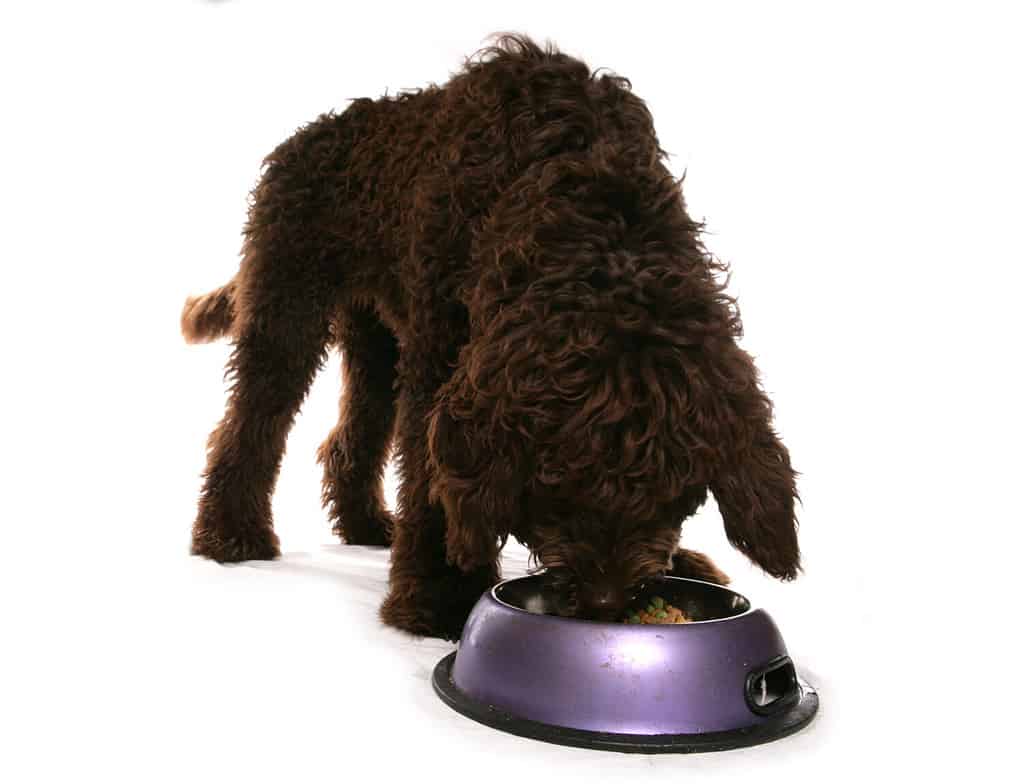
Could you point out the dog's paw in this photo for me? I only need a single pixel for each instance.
(408, 616)
(256, 544)
(696, 566)
(436, 607)
(375, 529)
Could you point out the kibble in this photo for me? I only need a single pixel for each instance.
(657, 611)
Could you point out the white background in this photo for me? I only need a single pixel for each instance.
(859, 166)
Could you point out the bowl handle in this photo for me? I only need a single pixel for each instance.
(773, 687)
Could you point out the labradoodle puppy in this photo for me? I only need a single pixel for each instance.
(526, 311)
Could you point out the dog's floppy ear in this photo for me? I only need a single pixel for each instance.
(476, 473)
(753, 481)
(756, 495)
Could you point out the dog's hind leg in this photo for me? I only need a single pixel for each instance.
(281, 341)
(354, 454)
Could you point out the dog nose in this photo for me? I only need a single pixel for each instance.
(603, 601)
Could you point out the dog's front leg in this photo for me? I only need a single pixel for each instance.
(428, 595)
(475, 479)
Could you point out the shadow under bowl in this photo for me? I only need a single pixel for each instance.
(722, 681)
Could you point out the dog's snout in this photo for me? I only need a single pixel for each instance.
(603, 600)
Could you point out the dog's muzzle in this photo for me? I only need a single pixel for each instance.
(602, 601)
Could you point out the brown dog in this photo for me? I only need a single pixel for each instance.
(525, 308)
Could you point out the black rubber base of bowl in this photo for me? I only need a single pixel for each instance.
(786, 723)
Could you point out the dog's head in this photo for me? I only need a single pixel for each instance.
(613, 464)
(600, 397)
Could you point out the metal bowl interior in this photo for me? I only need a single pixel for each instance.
(699, 601)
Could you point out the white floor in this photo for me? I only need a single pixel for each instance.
(125, 659)
(180, 669)
(270, 671)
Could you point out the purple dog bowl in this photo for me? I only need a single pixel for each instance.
(720, 682)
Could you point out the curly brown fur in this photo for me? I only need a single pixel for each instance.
(696, 566)
(526, 310)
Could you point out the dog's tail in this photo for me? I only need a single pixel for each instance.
(210, 316)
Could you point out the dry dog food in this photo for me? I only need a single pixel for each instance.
(657, 611)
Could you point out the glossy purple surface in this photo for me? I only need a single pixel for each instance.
(613, 677)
